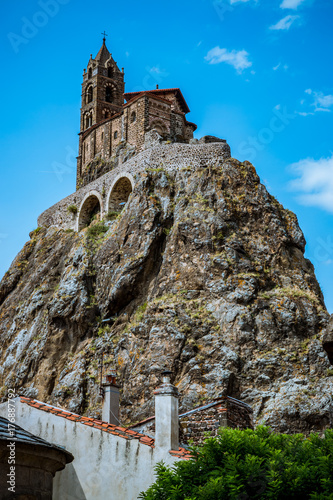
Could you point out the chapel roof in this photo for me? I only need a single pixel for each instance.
(159, 92)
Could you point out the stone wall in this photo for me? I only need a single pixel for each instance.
(167, 156)
(204, 421)
(130, 126)
(198, 424)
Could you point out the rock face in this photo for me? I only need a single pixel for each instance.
(202, 273)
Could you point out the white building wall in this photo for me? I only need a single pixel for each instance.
(105, 466)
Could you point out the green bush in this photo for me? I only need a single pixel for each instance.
(97, 230)
(112, 214)
(72, 209)
(240, 465)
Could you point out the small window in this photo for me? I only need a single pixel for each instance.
(108, 94)
(110, 72)
(89, 94)
(133, 117)
(89, 73)
(115, 135)
(102, 135)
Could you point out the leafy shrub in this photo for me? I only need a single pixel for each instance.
(34, 233)
(260, 464)
(97, 230)
(72, 209)
(112, 214)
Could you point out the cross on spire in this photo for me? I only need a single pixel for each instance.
(104, 35)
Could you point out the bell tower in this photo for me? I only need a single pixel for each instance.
(102, 89)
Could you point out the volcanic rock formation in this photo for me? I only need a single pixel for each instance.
(202, 273)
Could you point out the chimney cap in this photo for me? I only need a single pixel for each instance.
(110, 378)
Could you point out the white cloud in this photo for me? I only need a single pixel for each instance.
(325, 101)
(285, 23)
(315, 181)
(278, 66)
(304, 113)
(236, 58)
(291, 4)
(321, 102)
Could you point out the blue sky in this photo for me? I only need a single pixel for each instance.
(256, 73)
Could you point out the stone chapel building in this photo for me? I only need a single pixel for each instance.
(119, 133)
(110, 117)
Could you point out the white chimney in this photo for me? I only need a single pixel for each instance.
(110, 409)
(166, 414)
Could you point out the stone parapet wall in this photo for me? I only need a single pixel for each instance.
(171, 157)
(205, 421)
(201, 423)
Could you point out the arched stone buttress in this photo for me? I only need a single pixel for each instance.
(91, 205)
(119, 192)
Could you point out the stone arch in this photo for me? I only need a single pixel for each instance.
(160, 128)
(120, 191)
(90, 206)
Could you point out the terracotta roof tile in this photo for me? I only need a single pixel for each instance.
(181, 453)
(122, 432)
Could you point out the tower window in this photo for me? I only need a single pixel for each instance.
(133, 117)
(90, 93)
(88, 121)
(110, 72)
(89, 73)
(108, 94)
(115, 135)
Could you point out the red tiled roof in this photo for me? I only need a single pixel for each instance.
(181, 453)
(130, 95)
(138, 95)
(99, 424)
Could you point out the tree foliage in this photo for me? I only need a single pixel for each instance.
(241, 465)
